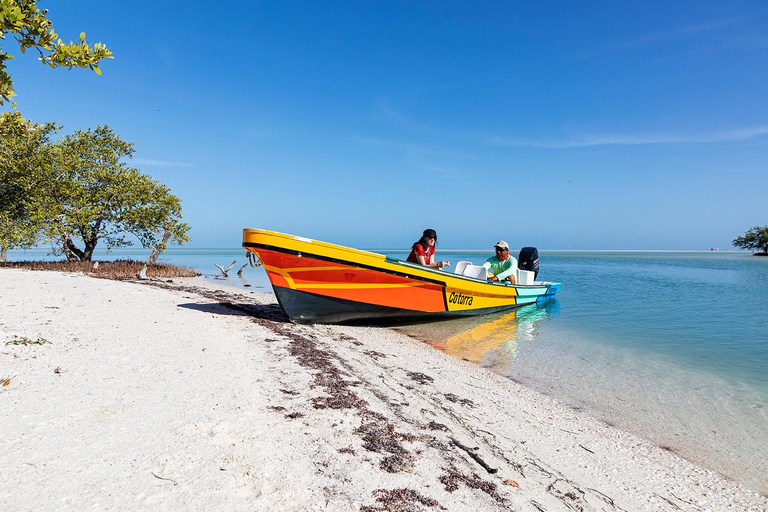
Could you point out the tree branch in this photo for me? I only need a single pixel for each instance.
(228, 268)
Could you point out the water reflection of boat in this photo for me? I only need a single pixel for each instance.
(488, 340)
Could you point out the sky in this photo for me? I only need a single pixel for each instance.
(559, 125)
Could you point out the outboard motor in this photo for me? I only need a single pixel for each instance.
(528, 259)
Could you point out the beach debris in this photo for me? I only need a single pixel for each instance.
(375, 355)
(433, 425)
(7, 380)
(451, 479)
(419, 377)
(240, 272)
(59, 371)
(455, 399)
(571, 496)
(475, 457)
(228, 268)
(26, 341)
(400, 499)
(511, 482)
(163, 478)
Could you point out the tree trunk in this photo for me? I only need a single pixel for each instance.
(157, 250)
(91, 239)
(70, 249)
(162, 245)
(90, 245)
(3, 254)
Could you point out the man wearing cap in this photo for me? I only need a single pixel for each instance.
(502, 266)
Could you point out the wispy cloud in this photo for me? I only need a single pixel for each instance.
(391, 116)
(674, 35)
(160, 163)
(418, 161)
(165, 56)
(414, 149)
(724, 44)
(435, 160)
(636, 139)
(688, 30)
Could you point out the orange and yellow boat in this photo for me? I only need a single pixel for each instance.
(319, 282)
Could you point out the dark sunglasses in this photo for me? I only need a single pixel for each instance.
(500, 249)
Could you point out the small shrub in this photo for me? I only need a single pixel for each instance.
(120, 269)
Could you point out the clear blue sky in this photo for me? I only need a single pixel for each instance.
(582, 125)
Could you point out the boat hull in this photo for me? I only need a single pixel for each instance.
(317, 282)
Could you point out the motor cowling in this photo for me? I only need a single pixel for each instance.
(528, 259)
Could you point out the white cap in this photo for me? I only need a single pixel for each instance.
(502, 244)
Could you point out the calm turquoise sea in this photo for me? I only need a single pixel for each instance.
(670, 345)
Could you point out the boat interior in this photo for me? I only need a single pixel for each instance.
(467, 268)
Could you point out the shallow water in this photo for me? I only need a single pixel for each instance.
(670, 345)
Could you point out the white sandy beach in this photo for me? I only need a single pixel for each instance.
(182, 396)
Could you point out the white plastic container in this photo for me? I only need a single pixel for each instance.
(525, 277)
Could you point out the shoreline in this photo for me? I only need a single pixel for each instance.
(198, 393)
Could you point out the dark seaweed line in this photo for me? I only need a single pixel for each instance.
(376, 431)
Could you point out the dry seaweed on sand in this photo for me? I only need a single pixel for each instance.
(400, 500)
(119, 269)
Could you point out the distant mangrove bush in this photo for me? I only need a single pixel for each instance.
(756, 239)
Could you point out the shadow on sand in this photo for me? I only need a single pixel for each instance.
(271, 312)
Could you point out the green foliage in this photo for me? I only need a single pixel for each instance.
(755, 239)
(90, 194)
(31, 28)
(23, 153)
(79, 188)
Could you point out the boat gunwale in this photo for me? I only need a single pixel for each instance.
(445, 276)
(387, 260)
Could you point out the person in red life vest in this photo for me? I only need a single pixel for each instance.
(423, 251)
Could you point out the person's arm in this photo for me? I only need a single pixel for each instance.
(510, 272)
(488, 267)
(434, 264)
(422, 257)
